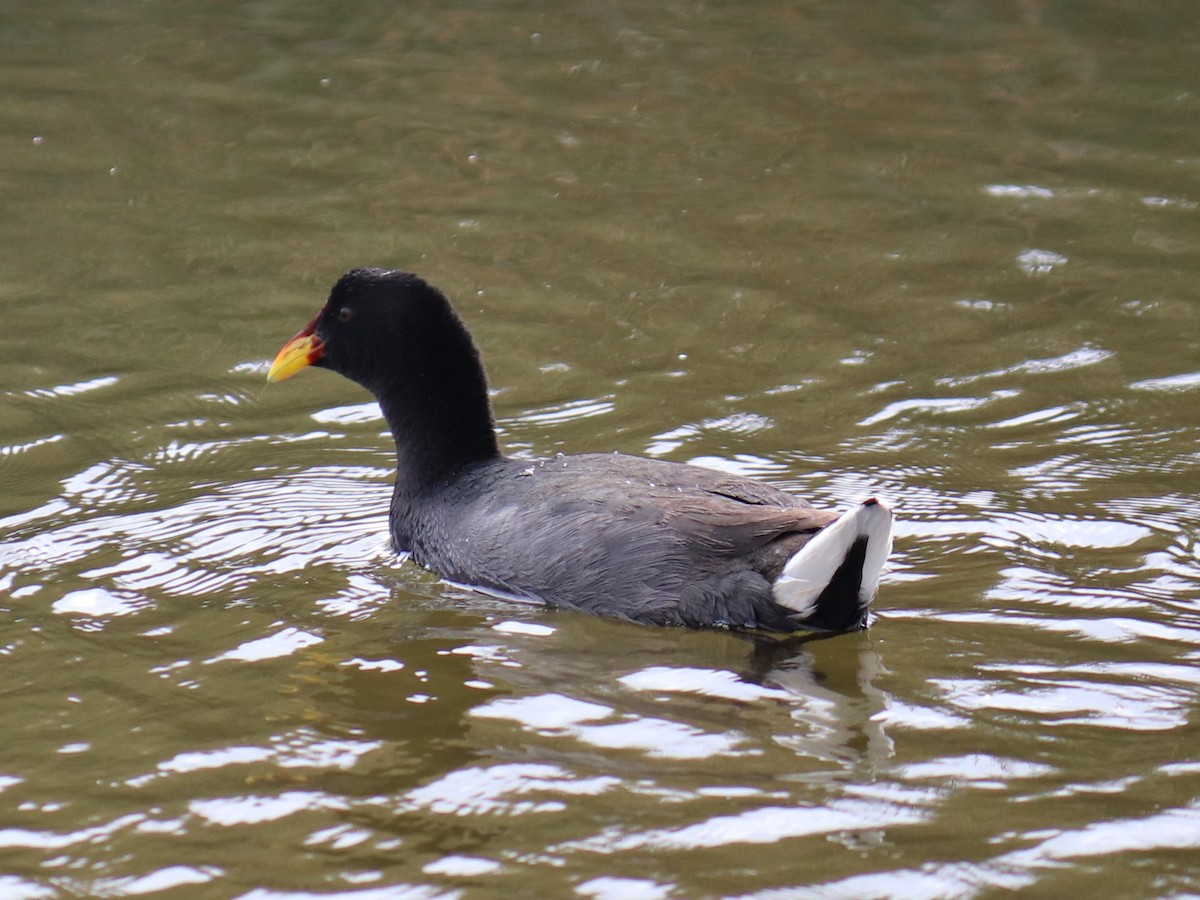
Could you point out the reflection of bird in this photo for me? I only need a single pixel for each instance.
(647, 540)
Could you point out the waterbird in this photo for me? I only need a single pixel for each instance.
(648, 540)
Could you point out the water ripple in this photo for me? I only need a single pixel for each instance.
(215, 541)
(1057, 701)
(554, 714)
(510, 789)
(763, 825)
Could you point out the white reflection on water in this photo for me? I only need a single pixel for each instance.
(709, 682)
(664, 739)
(610, 887)
(215, 541)
(507, 789)
(743, 423)
(195, 761)
(937, 405)
(1183, 382)
(764, 825)
(745, 465)
(554, 714)
(338, 837)
(917, 718)
(1064, 531)
(543, 712)
(1177, 828)
(533, 629)
(14, 449)
(160, 880)
(1060, 701)
(1053, 415)
(252, 809)
(391, 892)
(1075, 359)
(298, 749)
(70, 390)
(353, 414)
(978, 770)
(97, 602)
(51, 840)
(1036, 261)
(1021, 191)
(1106, 630)
(374, 665)
(462, 866)
(282, 643)
(562, 413)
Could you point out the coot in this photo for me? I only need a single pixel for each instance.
(642, 539)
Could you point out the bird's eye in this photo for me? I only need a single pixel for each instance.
(345, 314)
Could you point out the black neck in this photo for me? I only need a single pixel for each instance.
(439, 413)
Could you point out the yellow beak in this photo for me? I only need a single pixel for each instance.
(301, 351)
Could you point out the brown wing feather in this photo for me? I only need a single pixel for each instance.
(741, 528)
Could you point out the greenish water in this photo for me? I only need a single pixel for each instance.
(944, 254)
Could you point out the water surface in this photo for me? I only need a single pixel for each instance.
(940, 254)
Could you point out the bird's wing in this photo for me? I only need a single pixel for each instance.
(736, 526)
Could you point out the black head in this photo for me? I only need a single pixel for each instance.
(399, 338)
(374, 328)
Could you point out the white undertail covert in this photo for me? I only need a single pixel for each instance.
(809, 572)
